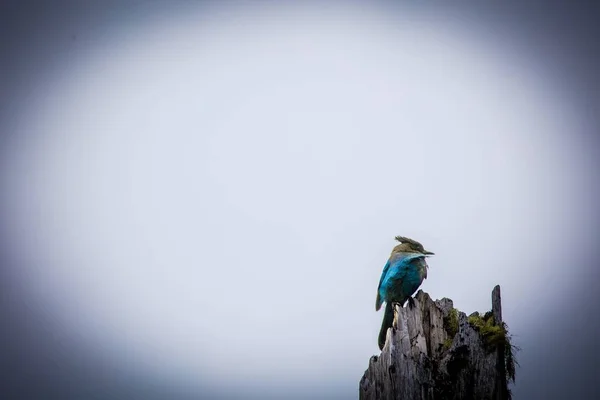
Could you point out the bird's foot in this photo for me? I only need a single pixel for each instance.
(411, 302)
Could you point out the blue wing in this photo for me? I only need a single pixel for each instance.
(383, 274)
(398, 267)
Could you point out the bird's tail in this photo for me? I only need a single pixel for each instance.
(388, 320)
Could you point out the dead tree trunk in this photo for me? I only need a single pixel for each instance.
(436, 352)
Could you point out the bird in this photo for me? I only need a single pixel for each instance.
(402, 275)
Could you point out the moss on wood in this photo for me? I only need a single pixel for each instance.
(494, 335)
(451, 323)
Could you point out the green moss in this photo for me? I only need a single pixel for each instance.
(494, 335)
(451, 328)
(451, 323)
(491, 333)
(447, 343)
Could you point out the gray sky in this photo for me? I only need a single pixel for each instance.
(205, 198)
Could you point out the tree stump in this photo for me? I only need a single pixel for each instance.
(435, 352)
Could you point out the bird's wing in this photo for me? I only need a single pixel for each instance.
(383, 274)
(396, 267)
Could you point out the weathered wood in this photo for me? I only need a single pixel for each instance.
(497, 304)
(432, 352)
(501, 390)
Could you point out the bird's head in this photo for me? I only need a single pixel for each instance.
(410, 246)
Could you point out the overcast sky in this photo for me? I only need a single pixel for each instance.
(199, 199)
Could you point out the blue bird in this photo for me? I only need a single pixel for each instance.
(401, 277)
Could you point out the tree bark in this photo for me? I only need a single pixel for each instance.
(432, 352)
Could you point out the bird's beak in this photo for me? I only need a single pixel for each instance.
(428, 253)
